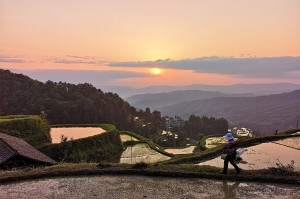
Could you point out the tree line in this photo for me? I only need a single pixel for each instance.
(65, 103)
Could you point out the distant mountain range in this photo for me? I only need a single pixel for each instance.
(256, 89)
(264, 114)
(158, 100)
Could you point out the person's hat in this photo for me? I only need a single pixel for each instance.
(228, 136)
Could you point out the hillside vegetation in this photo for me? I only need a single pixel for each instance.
(32, 128)
(64, 103)
(158, 100)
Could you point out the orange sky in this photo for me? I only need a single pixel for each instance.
(93, 34)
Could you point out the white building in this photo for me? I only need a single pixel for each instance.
(244, 132)
(173, 122)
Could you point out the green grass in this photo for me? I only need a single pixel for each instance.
(183, 170)
(201, 146)
(32, 128)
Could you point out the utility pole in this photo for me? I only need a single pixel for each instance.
(131, 148)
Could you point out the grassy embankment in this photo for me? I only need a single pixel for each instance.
(106, 146)
(106, 127)
(32, 128)
(201, 146)
(202, 153)
(183, 170)
(142, 139)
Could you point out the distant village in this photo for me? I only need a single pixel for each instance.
(176, 122)
(241, 132)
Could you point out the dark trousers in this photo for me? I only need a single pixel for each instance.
(231, 160)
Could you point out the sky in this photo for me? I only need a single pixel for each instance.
(122, 42)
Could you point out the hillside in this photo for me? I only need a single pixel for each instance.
(256, 89)
(263, 113)
(157, 100)
(64, 103)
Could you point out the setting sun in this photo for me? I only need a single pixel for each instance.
(156, 71)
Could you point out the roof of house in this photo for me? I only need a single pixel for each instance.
(10, 146)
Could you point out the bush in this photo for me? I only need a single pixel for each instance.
(103, 165)
(103, 147)
(282, 169)
(140, 165)
(32, 128)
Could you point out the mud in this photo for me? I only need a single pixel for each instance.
(144, 187)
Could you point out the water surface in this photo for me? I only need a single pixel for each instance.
(74, 132)
(263, 156)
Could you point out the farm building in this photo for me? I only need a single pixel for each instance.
(15, 152)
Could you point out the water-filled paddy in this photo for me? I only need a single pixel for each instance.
(144, 187)
(263, 156)
(291, 142)
(141, 153)
(74, 132)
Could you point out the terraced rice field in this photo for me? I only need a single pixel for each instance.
(141, 153)
(74, 132)
(265, 155)
(290, 142)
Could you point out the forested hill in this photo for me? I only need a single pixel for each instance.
(62, 102)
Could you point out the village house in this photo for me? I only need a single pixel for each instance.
(173, 122)
(15, 152)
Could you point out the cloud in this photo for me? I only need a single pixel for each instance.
(265, 67)
(94, 77)
(11, 59)
(71, 59)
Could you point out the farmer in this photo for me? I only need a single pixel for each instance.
(230, 151)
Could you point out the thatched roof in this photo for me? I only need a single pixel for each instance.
(11, 146)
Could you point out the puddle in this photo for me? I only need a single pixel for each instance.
(144, 187)
(74, 132)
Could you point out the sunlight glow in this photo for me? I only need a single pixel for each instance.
(156, 71)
